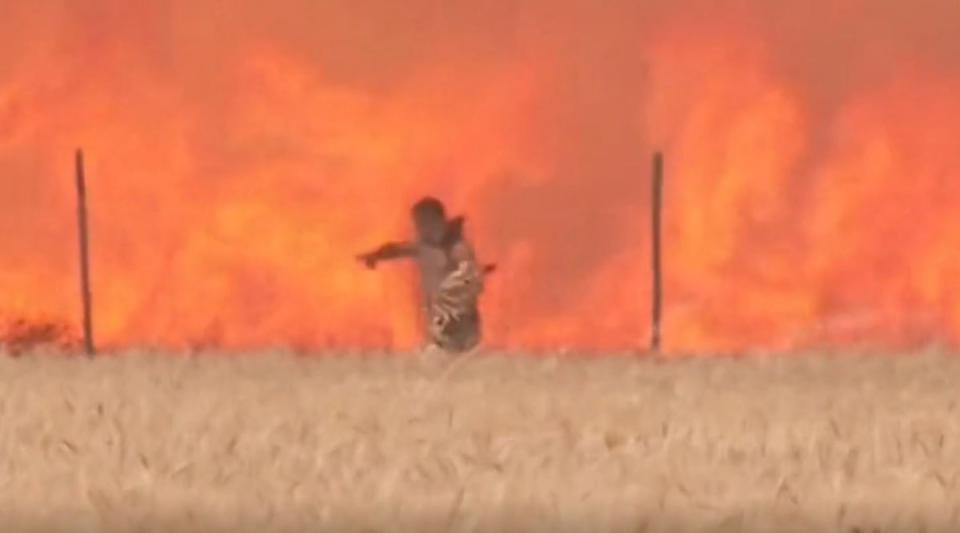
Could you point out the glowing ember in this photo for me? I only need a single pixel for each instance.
(238, 160)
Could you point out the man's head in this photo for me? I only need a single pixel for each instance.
(430, 220)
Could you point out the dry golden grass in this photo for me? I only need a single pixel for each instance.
(273, 442)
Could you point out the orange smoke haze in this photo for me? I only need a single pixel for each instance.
(240, 153)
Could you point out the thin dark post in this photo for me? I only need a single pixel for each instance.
(84, 257)
(657, 202)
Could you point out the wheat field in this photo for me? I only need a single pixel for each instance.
(147, 441)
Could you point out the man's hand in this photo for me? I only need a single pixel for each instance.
(369, 260)
(387, 252)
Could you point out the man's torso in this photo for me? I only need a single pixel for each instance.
(434, 263)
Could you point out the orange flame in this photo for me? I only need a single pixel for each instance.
(237, 161)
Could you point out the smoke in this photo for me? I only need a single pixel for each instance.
(241, 153)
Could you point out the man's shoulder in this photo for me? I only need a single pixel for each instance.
(459, 246)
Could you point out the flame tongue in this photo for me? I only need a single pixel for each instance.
(237, 162)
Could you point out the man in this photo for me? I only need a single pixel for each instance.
(450, 278)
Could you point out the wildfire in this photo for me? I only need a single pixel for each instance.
(237, 161)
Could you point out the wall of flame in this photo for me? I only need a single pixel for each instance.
(240, 153)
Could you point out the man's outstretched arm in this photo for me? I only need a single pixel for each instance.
(390, 250)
